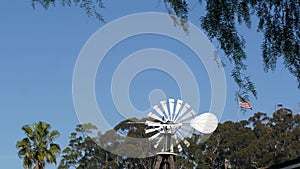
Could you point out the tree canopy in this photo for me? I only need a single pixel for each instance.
(278, 22)
(38, 147)
(258, 142)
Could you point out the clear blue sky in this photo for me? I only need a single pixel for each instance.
(38, 51)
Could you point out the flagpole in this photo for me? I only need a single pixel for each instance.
(239, 110)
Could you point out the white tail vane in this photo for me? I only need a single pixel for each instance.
(176, 123)
(205, 123)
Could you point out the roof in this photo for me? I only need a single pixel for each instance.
(291, 164)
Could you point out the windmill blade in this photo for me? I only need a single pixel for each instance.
(179, 147)
(158, 110)
(178, 106)
(184, 133)
(172, 148)
(186, 121)
(173, 142)
(186, 143)
(187, 128)
(176, 124)
(171, 107)
(205, 123)
(151, 130)
(183, 110)
(153, 124)
(154, 136)
(181, 136)
(164, 106)
(158, 142)
(187, 115)
(154, 116)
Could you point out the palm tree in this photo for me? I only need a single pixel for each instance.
(38, 147)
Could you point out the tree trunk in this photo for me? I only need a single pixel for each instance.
(37, 165)
(165, 162)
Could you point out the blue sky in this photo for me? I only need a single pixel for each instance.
(38, 52)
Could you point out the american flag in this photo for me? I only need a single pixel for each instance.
(245, 104)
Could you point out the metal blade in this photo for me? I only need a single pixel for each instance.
(178, 106)
(186, 143)
(186, 121)
(164, 106)
(151, 130)
(187, 115)
(172, 148)
(184, 133)
(187, 131)
(171, 107)
(154, 116)
(179, 136)
(183, 110)
(154, 136)
(179, 147)
(158, 142)
(157, 109)
(153, 124)
(187, 128)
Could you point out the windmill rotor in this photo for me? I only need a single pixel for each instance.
(174, 122)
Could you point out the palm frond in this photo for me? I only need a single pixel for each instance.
(28, 130)
(38, 145)
(53, 135)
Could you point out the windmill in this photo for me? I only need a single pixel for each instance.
(173, 122)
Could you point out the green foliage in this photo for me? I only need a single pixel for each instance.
(38, 146)
(178, 8)
(82, 151)
(86, 152)
(91, 7)
(258, 142)
(278, 21)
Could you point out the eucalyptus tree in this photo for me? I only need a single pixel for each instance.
(38, 147)
(83, 150)
(258, 142)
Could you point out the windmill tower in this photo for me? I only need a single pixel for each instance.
(173, 122)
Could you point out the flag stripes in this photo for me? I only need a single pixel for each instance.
(245, 104)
